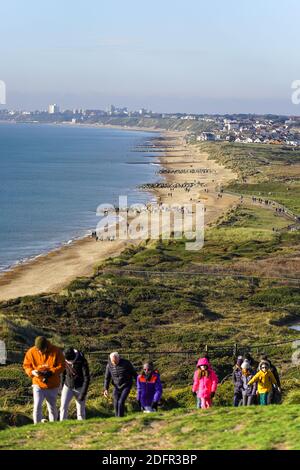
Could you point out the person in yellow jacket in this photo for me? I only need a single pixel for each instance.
(265, 379)
(44, 363)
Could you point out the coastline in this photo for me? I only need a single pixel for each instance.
(52, 271)
(90, 125)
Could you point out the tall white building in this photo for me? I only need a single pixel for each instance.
(53, 108)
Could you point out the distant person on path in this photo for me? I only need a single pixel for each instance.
(149, 388)
(121, 373)
(75, 382)
(265, 380)
(205, 383)
(237, 382)
(44, 363)
(248, 391)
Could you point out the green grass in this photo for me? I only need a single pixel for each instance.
(109, 311)
(286, 194)
(268, 171)
(133, 312)
(261, 428)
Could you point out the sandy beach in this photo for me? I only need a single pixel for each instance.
(52, 272)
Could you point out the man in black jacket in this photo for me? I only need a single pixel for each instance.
(121, 373)
(75, 381)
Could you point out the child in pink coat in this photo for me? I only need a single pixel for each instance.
(205, 383)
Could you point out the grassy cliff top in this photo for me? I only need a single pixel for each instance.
(249, 428)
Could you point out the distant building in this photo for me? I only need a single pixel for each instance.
(206, 136)
(111, 109)
(53, 108)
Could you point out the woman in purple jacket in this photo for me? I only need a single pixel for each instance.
(149, 388)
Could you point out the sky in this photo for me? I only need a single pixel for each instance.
(194, 56)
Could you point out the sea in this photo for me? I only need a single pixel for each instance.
(53, 178)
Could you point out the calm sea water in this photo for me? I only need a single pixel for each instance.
(52, 178)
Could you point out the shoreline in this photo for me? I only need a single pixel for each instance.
(72, 239)
(51, 272)
(91, 125)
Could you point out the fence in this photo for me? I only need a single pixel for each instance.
(216, 271)
(232, 350)
(222, 358)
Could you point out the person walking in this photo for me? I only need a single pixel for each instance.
(248, 391)
(265, 380)
(121, 373)
(75, 383)
(237, 382)
(275, 394)
(149, 388)
(253, 362)
(205, 383)
(44, 363)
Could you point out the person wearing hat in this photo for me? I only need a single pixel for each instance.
(237, 382)
(75, 382)
(149, 388)
(253, 362)
(44, 363)
(265, 380)
(248, 391)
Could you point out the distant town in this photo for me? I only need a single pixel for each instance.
(240, 128)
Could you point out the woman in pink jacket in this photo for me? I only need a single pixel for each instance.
(205, 383)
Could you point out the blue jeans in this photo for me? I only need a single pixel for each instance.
(120, 396)
(237, 399)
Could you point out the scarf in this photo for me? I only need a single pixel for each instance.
(70, 364)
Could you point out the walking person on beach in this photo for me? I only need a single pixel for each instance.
(121, 373)
(205, 383)
(75, 382)
(44, 363)
(248, 391)
(237, 382)
(265, 380)
(149, 388)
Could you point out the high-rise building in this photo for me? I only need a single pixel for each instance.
(53, 108)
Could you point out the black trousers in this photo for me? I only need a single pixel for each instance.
(120, 396)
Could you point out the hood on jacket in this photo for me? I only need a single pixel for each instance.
(203, 362)
(264, 363)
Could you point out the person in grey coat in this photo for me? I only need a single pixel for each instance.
(237, 382)
(248, 391)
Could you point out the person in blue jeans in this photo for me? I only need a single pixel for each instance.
(121, 373)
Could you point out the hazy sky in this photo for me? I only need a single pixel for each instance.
(167, 55)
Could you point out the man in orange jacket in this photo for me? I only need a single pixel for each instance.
(44, 363)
